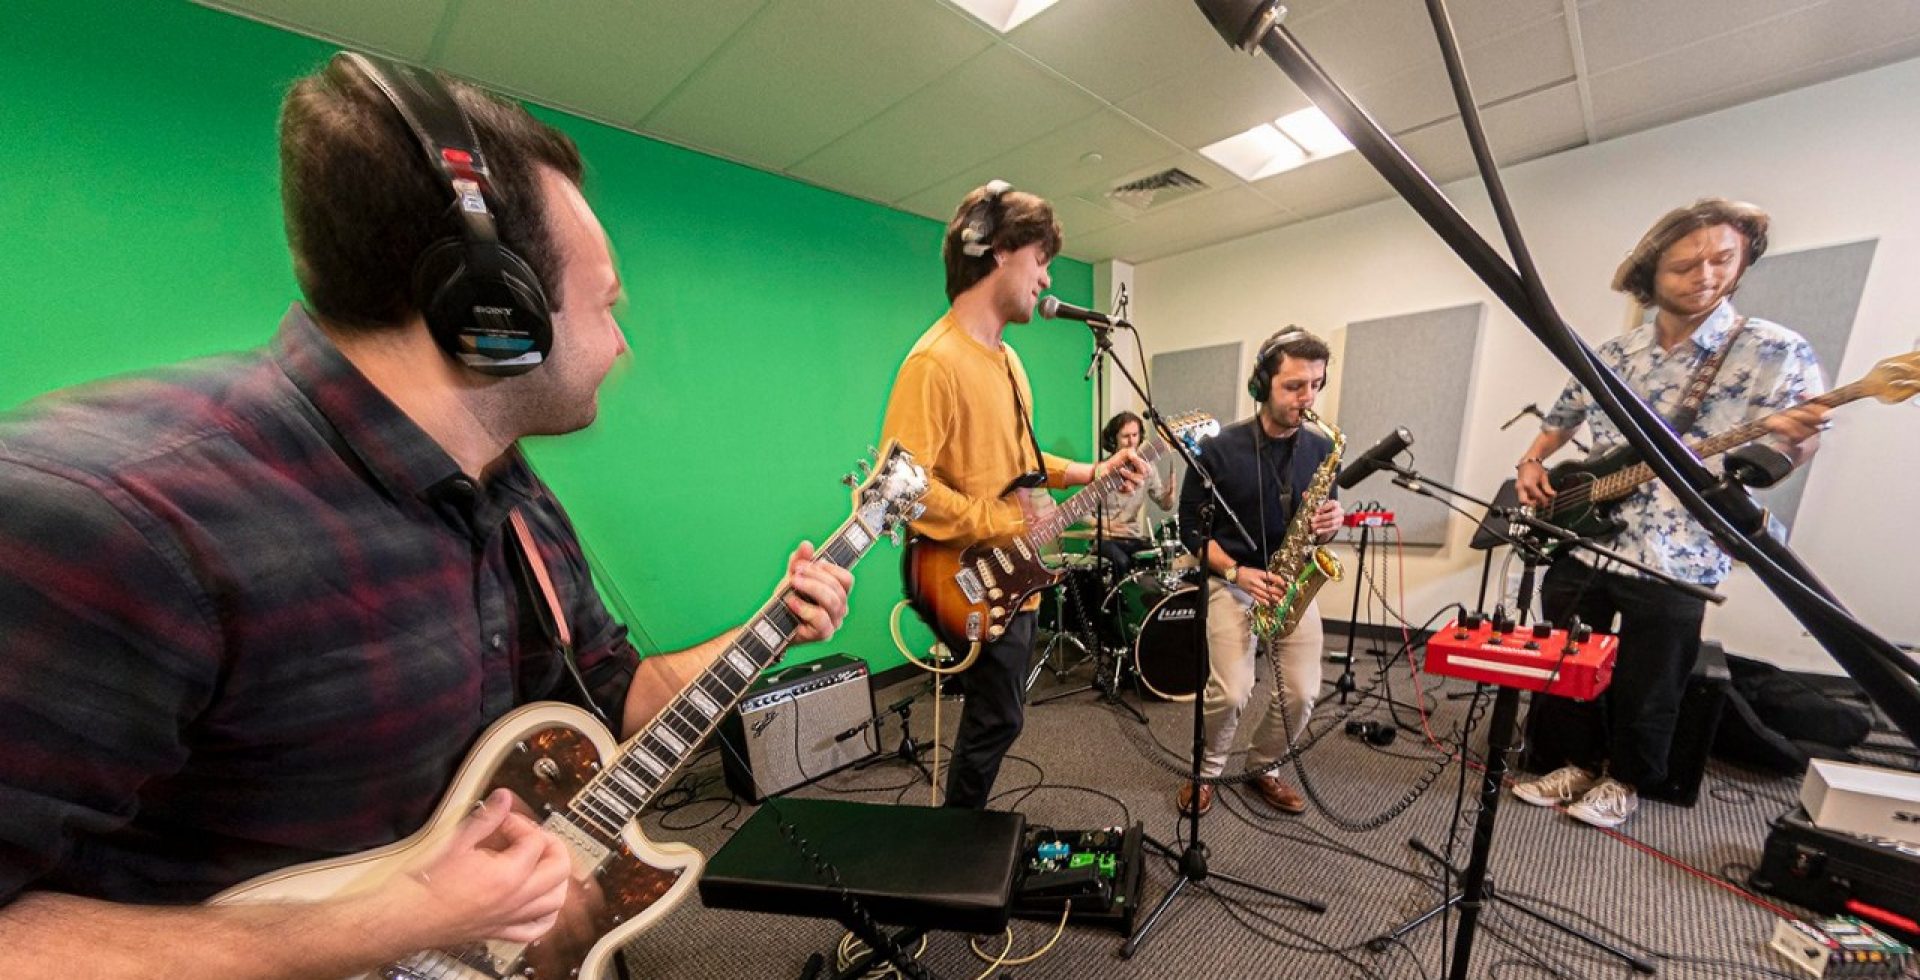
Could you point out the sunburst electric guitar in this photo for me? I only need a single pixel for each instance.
(569, 774)
(1586, 492)
(971, 591)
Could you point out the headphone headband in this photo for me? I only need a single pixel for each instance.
(976, 237)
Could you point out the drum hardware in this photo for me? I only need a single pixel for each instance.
(1108, 658)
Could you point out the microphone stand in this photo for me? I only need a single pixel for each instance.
(1105, 659)
(1476, 888)
(1191, 860)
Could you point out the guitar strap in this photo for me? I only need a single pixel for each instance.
(1036, 477)
(537, 585)
(1689, 408)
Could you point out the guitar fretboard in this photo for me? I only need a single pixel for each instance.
(1622, 482)
(648, 760)
(1080, 506)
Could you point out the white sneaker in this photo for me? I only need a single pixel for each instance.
(1608, 804)
(1557, 788)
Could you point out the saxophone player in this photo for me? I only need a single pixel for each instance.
(1263, 467)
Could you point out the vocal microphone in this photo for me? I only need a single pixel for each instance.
(1375, 458)
(1052, 309)
(1531, 409)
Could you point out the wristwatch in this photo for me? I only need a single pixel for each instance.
(1232, 574)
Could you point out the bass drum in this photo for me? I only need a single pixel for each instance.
(1166, 653)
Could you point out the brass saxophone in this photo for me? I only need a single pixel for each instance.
(1300, 562)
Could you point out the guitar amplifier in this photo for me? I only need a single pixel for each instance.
(786, 728)
(1837, 873)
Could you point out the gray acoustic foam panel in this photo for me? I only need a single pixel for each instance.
(1205, 379)
(1815, 293)
(1413, 370)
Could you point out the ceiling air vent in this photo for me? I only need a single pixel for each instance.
(1155, 190)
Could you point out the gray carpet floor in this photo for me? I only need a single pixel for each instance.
(1662, 888)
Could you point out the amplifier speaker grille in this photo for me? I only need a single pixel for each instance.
(785, 727)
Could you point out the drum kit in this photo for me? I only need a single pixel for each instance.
(1140, 621)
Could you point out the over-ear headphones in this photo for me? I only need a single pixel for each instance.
(976, 233)
(1110, 435)
(1261, 380)
(482, 302)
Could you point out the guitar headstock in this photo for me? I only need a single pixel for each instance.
(1894, 379)
(887, 496)
(1191, 427)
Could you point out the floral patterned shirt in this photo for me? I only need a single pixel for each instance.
(1769, 368)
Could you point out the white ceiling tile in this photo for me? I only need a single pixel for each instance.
(1653, 114)
(403, 30)
(1745, 61)
(1056, 164)
(1489, 18)
(1325, 186)
(807, 71)
(1079, 217)
(1221, 96)
(609, 59)
(1617, 33)
(990, 105)
(1115, 51)
(1528, 58)
(1361, 42)
(1214, 216)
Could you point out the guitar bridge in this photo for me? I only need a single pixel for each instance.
(970, 586)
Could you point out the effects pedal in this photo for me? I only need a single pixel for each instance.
(1097, 870)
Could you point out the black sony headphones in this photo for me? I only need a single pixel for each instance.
(1261, 380)
(1110, 435)
(482, 302)
(976, 233)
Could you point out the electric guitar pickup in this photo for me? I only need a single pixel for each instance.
(1586, 492)
(569, 775)
(972, 590)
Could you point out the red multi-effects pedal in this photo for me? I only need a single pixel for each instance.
(1575, 665)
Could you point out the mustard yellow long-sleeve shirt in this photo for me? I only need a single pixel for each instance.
(953, 408)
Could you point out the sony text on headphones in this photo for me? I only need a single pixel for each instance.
(482, 302)
(976, 235)
(1261, 379)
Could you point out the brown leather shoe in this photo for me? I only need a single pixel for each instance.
(1184, 799)
(1279, 795)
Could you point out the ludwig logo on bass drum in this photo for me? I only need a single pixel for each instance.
(1168, 615)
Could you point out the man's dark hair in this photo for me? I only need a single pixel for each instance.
(1110, 433)
(1295, 343)
(1636, 272)
(1018, 219)
(361, 202)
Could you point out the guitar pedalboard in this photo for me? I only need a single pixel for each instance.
(1097, 870)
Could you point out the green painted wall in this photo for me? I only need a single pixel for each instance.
(141, 214)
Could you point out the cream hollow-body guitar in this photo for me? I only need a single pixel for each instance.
(568, 774)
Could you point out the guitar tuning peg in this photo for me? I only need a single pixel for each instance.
(873, 451)
(850, 480)
(863, 466)
(895, 533)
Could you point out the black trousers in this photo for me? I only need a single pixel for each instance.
(994, 713)
(1119, 553)
(1629, 729)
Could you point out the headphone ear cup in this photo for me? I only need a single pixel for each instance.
(1257, 384)
(484, 307)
